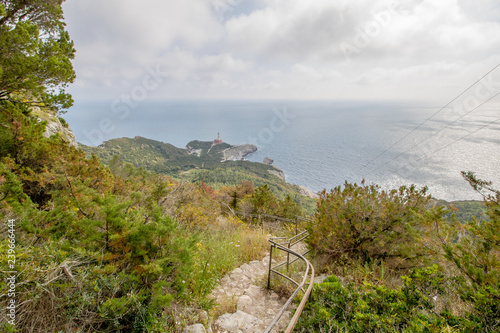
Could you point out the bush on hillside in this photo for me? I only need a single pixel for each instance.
(371, 308)
(370, 223)
(462, 294)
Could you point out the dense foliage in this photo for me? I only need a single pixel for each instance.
(232, 173)
(106, 249)
(464, 210)
(35, 54)
(459, 293)
(148, 154)
(365, 221)
(248, 200)
(372, 308)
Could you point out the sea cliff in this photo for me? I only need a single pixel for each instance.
(238, 153)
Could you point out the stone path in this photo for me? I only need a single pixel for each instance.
(256, 305)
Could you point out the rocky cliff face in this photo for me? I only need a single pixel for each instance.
(192, 151)
(221, 151)
(307, 192)
(54, 126)
(237, 153)
(278, 173)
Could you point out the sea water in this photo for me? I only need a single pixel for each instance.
(321, 144)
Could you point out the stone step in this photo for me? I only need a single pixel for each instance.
(256, 305)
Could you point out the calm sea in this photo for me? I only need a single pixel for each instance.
(321, 144)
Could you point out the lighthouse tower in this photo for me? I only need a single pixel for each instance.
(218, 140)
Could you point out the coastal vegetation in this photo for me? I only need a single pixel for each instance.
(91, 247)
(151, 155)
(115, 248)
(201, 162)
(400, 265)
(464, 210)
(134, 235)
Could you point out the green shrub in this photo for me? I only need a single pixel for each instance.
(365, 221)
(370, 308)
(63, 122)
(476, 255)
(463, 296)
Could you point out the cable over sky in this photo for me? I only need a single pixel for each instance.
(425, 121)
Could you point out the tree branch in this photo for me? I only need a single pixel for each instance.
(74, 197)
(5, 196)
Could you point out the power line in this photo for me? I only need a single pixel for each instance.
(447, 145)
(426, 120)
(433, 134)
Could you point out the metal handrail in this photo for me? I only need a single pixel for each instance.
(274, 217)
(309, 267)
(300, 286)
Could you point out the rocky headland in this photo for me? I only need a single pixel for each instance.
(208, 156)
(238, 153)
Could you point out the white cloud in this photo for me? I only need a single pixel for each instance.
(290, 30)
(285, 48)
(151, 25)
(183, 65)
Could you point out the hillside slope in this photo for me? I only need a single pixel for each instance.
(217, 165)
(145, 153)
(166, 158)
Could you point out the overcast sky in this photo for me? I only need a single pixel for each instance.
(307, 49)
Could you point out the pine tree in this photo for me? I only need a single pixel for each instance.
(35, 54)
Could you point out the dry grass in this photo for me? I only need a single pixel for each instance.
(284, 287)
(225, 305)
(253, 244)
(376, 273)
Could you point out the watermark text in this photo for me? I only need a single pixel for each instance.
(11, 274)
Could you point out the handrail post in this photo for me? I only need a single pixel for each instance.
(270, 263)
(309, 273)
(288, 258)
(296, 226)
